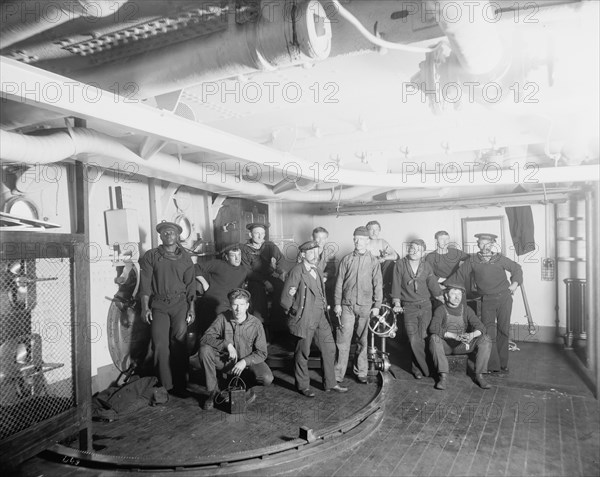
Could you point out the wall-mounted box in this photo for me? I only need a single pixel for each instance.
(121, 226)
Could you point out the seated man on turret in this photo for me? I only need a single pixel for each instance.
(455, 329)
(235, 343)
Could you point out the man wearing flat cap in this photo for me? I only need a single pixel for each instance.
(167, 293)
(303, 299)
(262, 257)
(235, 343)
(358, 294)
(413, 285)
(455, 329)
(488, 268)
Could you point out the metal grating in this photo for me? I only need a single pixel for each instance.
(36, 341)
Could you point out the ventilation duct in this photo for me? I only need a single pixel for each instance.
(101, 151)
(282, 36)
(25, 19)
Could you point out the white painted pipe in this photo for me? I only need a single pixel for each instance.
(102, 151)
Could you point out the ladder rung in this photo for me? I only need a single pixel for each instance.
(570, 259)
(571, 239)
(570, 219)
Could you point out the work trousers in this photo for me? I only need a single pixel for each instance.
(417, 317)
(212, 361)
(260, 307)
(442, 347)
(354, 319)
(495, 315)
(169, 329)
(321, 332)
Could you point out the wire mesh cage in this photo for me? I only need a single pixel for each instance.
(36, 341)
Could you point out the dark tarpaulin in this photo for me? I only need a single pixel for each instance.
(520, 222)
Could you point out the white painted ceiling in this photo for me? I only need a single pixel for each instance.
(352, 110)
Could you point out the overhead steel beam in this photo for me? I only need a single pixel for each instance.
(33, 86)
(445, 204)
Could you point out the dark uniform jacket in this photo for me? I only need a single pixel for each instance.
(490, 275)
(439, 322)
(258, 261)
(302, 298)
(166, 276)
(411, 287)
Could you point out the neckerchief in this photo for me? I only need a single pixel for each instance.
(164, 254)
(493, 259)
(414, 276)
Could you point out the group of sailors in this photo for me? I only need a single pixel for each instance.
(428, 289)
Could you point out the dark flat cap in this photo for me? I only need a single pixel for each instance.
(164, 224)
(361, 231)
(454, 284)
(308, 246)
(229, 248)
(419, 242)
(253, 225)
(486, 236)
(239, 293)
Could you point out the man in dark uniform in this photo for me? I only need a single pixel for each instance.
(234, 343)
(262, 259)
(489, 272)
(455, 329)
(167, 292)
(445, 259)
(218, 277)
(358, 295)
(413, 285)
(303, 299)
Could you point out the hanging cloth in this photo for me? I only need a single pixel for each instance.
(520, 222)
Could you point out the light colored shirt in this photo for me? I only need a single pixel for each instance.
(380, 248)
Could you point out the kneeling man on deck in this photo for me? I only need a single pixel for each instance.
(304, 301)
(235, 343)
(455, 329)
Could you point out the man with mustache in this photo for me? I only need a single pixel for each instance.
(455, 329)
(304, 301)
(489, 268)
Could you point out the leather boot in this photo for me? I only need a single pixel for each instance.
(441, 384)
(481, 382)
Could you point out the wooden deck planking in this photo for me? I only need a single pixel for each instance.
(370, 450)
(448, 413)
(552, 439)
(587, 425)
(449, 437)
(400, 419)
(523, 410)
(427, 408)
(534, 422)
(492, 413)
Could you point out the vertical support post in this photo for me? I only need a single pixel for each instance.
(569, 325)
(82, 311)
(591, 209)
(153, 219)
(556, 281)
